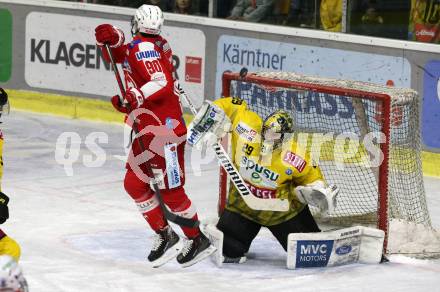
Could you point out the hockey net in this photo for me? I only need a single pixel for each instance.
(347, 126)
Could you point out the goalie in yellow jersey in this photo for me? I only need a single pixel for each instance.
(8, 246)
(271, 164)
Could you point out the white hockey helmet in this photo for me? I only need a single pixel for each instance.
(11, 277)
(147, 19)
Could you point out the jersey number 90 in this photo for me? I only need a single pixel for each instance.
(153, 66)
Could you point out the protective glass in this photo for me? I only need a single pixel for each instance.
(134, 26)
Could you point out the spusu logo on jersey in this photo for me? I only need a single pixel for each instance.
(249, 164)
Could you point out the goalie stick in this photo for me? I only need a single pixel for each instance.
(179, 220)
(252, 201)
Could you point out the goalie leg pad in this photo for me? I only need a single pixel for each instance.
(216, 238)
(238, 231)
(333, 248)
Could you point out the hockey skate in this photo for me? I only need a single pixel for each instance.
(165, 247)
(195, 250)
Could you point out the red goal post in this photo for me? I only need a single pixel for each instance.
(369, 195)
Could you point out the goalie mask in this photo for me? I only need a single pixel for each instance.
(274, 129)
(147, 19)
(11, 277)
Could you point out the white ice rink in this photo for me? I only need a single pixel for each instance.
(84, 233)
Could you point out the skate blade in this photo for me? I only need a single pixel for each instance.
(168, 255)
(201, 256)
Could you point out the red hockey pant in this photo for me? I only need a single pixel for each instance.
(175, 198)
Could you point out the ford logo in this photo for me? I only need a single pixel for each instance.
(343, 249)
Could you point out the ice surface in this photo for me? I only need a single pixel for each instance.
(83, 233)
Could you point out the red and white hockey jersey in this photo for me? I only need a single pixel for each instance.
(147, 63)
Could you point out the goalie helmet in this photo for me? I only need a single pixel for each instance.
(275, 126)
(11, 277)
(147, 19)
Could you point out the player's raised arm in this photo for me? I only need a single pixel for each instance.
(114, 37)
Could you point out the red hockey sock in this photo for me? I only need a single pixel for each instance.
(146, 201)
(179, 203)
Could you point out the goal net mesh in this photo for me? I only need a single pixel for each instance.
(342, 124)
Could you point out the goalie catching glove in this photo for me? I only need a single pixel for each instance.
(209, 125)
(317, 194)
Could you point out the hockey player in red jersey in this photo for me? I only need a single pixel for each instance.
(151, 99)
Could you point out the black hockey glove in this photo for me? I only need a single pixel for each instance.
(4, 210)
(3, 97)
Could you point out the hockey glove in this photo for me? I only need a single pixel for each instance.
(133, 99)
(317, 194)
(3, 97)
(4, 210)
(107, 34)
(209, 125)
(116, 102)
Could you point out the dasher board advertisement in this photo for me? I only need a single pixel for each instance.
(61, 54)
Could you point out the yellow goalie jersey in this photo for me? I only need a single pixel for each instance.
(274, 177)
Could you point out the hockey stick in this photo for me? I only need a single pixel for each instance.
(252, 201)
(179, 220)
